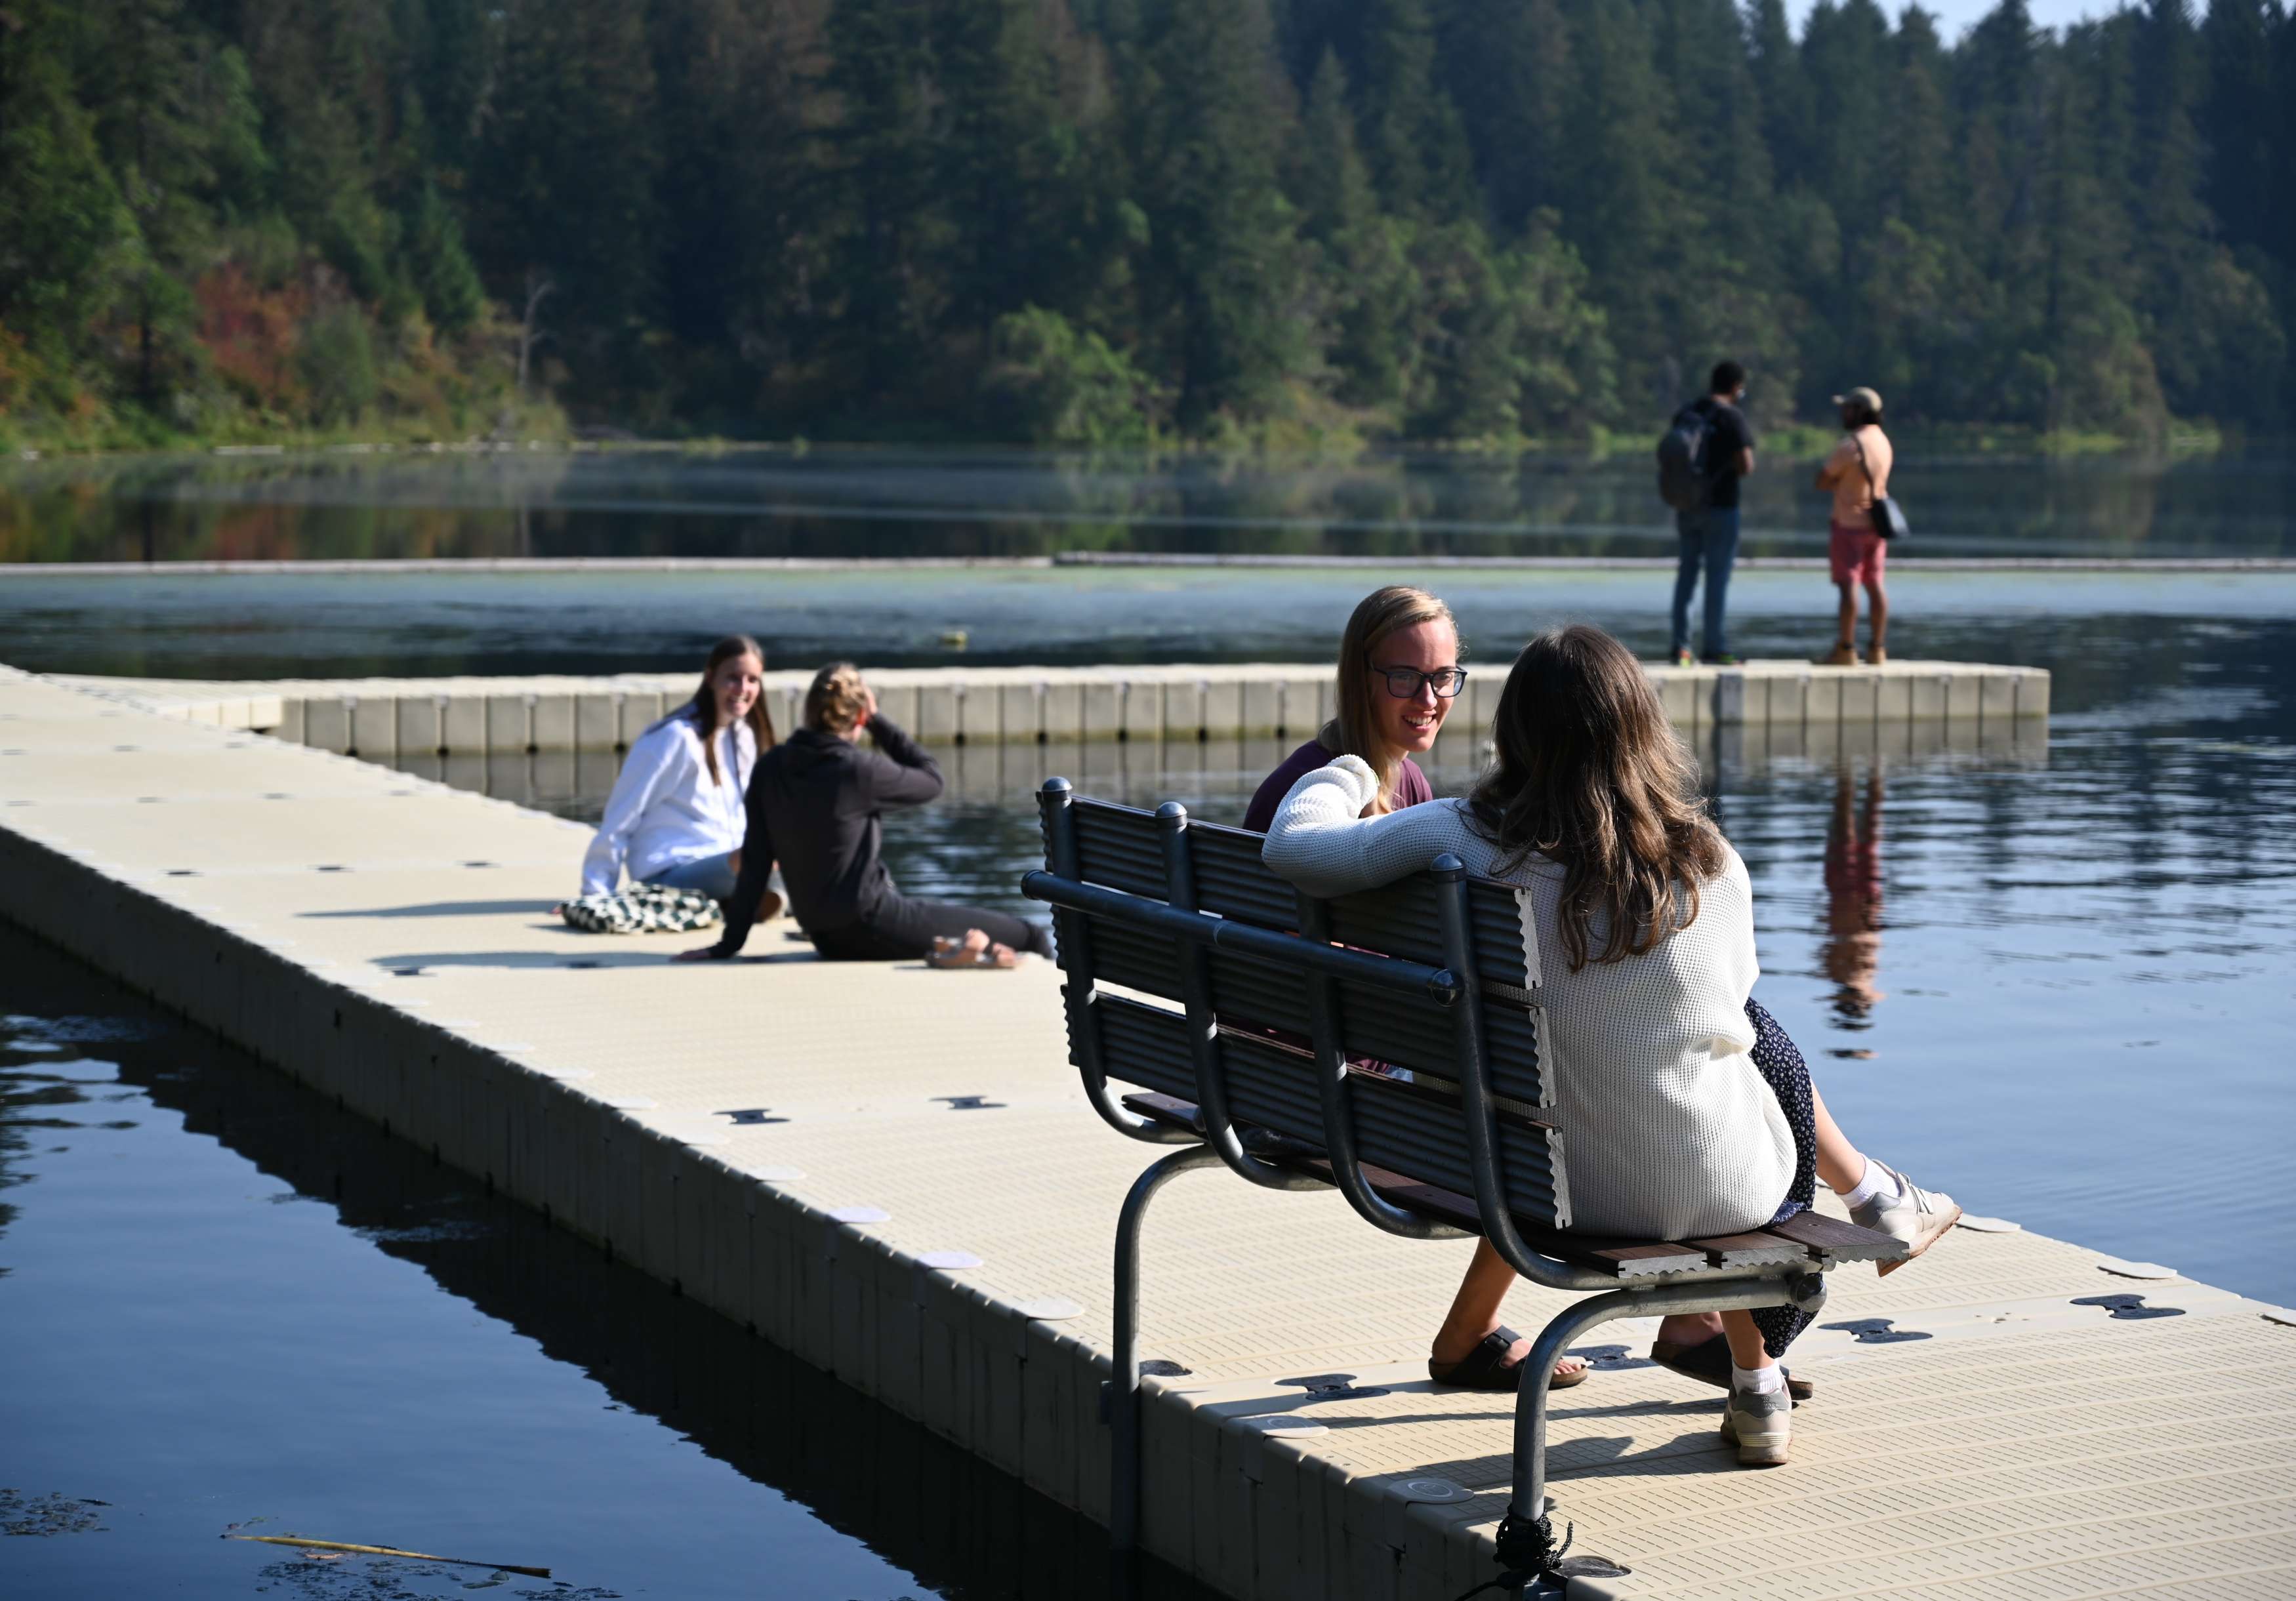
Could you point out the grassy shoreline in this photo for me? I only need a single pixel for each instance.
(544, 428)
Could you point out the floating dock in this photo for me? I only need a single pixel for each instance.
(385, 720)
(895, 1177)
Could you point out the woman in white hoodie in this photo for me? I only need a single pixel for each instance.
(1672, 1127)
(675, 816)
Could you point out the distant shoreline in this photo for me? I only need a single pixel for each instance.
(385, 567)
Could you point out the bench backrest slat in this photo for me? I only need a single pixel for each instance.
(1411, 1129)
(1263, 1006)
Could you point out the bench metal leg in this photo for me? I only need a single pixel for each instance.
(1526, 1538)
(1123, 1393)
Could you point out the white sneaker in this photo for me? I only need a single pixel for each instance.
(1916, 1216)
(1761, 1426)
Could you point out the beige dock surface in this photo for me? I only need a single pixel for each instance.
(388, 940)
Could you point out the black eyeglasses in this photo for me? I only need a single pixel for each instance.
(1404, 683)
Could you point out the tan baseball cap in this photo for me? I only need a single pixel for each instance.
(1864, 396)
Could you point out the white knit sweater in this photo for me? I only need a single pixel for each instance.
(1669, 1130)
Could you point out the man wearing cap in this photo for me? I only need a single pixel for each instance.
(1856, 472)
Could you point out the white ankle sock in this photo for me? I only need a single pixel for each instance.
(1876, 1182)
(1757, 1381)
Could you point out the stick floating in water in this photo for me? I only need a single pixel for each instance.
(336, 1544)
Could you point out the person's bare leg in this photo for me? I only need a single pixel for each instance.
(1877, 604)
(1474, 1313)
(1683, 1330)
(1846, 621)
(1839, 1162)
(1746, 1347)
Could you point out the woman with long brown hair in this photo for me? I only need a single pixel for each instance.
(675, 816)
(1685, 1111)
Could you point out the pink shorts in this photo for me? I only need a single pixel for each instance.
(1857, 556)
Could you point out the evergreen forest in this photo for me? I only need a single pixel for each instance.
(1113, 223)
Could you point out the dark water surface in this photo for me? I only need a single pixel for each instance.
(329, 624)
(225, 1305)
(850, 501)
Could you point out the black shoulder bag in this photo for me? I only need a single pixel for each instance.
(1888, 518)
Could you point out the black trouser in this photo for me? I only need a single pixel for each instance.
(899, 928)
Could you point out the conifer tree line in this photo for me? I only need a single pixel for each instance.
(1104, 221)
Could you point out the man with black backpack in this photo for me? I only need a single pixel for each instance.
(1705, 451)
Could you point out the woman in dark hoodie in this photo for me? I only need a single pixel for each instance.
(815, 804)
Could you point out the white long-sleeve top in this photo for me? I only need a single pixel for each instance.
(1669, 1130)
(665, 809)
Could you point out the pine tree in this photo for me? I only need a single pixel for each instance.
(567, 170)
(882, 160)
(168, 104)
(1845, 54)
(743, 242)
(1218, 281)
(67, 239)
(320, 69)
(1506, 64)
(1916, 139)
(1001, 145)
(1412, 133)
(1621, 198)
(2237, 113)
(1367, 283)
(440, 267)
(1782, 91)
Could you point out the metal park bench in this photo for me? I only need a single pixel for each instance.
(1277, 993)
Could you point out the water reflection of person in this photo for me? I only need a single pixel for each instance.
(1853, 895)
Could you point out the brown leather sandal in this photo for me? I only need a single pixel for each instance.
(1486, 1368)
(1709, 1362)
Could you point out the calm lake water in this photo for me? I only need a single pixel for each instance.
(226, 1305)
(847, 503)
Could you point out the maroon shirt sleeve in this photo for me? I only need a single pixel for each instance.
(1278, 784)
(1411, 786)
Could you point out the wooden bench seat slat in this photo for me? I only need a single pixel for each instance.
(1751, 1249)
(1829, 1240)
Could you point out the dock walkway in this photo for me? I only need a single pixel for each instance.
(892, 1172)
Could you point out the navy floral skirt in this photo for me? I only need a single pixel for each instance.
(1780, 1064)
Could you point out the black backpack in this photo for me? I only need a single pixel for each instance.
(1682, 449)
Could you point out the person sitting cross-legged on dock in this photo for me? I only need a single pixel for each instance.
(1679, 1123)
(817, 803)
(675, 817)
